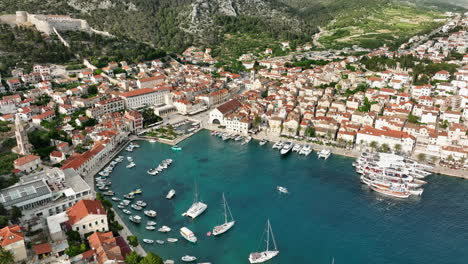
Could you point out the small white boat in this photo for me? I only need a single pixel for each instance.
(188, 234)
(297, 148)
(125, 202)
(136, 207)
(282, 189)
(152, 141)
(160, 242)
(126, 211)
(169, 261)
(131, 165)
(135, 218)
(324, 153)
(263, 142)
(129, 196)
(130, 159)
(170, 194)
(286, 148)
(121, 206)
(278, 145)
(306, 150)
(164, 229)
(150, 228)
(172, 240)
(150, 213)
(148, 241)
(188, 258)
(141, 203)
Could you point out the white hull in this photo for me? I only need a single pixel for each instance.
(170, 194)
(218, 230)
(195, 210)
(260, 257)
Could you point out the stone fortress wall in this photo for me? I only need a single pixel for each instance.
(47, 23)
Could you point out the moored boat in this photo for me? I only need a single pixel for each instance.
(260, 257)
(188, 234)
(135, 218)
(218, 230)
(170, 194)
(188, 258)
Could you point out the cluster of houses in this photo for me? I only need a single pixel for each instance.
(360, 107)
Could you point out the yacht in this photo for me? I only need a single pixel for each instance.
(188, 258)
(324, 153)
(170, 194)
(306, 150)
(297, 148)
(197, 207)
(278, 145)
(282, 189)
(148, 241)
(150, 228)
(286, 148)
(150, 213)
(260, 257)
(135, 218)
(188, 234)
(397, 190)
(136, 207)
(263, 142)
(164, 229)
(131, 165)
(151, 223)
(172, 240)
(228, 223)
(141, 203)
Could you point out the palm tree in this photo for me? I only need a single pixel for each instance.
(6, 257)
(421, 157)
(434, 159)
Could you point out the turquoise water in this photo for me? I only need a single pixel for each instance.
(327, 214)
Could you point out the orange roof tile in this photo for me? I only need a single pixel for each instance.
(84, 208)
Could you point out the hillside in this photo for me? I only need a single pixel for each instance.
(237, 24)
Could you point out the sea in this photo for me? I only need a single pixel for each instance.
(328, 215)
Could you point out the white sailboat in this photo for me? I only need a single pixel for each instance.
(260, 257)
(218, 230)
(197, 207)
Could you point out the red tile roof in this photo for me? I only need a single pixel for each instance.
(138, 92)
(10, 234)
(84, 208)
(24, 160)
(42, 249)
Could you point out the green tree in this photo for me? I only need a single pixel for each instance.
(3, 221)
(373, 145)
(310, 132)
(151, 258)
(133, 240)
(133, 258)
(6, 257)
(16, 213)
(421, 157)
(398, 148)
(384, 148)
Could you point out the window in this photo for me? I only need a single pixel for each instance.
(96, 222)
(102, 221)
(84, 226)
(77, 228)
(89, 224)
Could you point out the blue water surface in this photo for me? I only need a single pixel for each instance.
(328, 213)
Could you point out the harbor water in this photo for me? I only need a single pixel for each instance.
(327, 214)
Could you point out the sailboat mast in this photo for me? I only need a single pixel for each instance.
(268, 235)
(225, 210)
(272, 236)
(196, 193)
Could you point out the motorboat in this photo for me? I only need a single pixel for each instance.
(121, 206)
(247, 140)
(135, 218)
(263, 142)
(164, 229)
(172, 240)
(160, 242)
(260, 257)
(140, 203)
(109, 193)
(136, 207)
(324, 153)
(297, 148)
(188, 258)
(126, 211)
(238, 138)
(286, 148)
(131, 165)
(151, 223)
(152, 141)
(137, 191)
(170, 194)
(125, 202)
(169, 261)
(228, 222)
(176, 148)
(152, 171)
(150, 228)
(148, 241)
(129, 158)
(282, 189)
(188, 234)
(150, 213)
